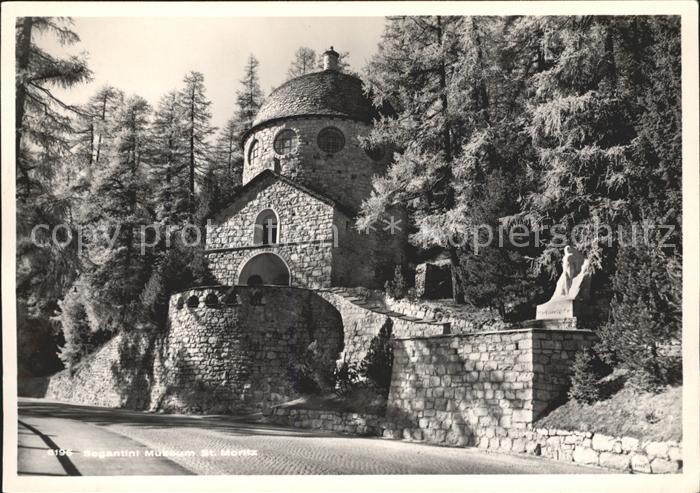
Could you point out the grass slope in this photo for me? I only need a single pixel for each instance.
(627, 412)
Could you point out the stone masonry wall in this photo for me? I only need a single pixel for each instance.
(116, 375)
(345, 176)
(240, 356)
(461, 389)
(310, 264)
(361, 325)
(341, 422)
(302, 218)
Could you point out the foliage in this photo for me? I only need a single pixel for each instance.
(645, 314)
(397, 287)
(586, 371)
(304, 62)
(196, 117)
(43, 146)
(346, 377)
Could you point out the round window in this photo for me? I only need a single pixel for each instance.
(331, 140)
(376, 153)
(254, 152)
(285, 141)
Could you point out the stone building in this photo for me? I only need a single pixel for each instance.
(305, 177)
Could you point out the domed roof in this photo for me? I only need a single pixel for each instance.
(326, 93)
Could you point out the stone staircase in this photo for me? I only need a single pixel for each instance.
(378, 306)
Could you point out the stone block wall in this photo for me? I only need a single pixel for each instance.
(118, 374)
(361, 325)
(310, 264)
(302, 218)
(460, 389)
(460, 323)
(240, 356)
(340, 422)
(345, 176)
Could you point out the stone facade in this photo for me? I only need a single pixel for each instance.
(345, 176)
(317, 242)
(461, 389)
(240, 354)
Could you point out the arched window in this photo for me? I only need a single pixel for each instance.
(193, 301)
(254, 153)
(331, 140)
(266, 228)
(285, 141)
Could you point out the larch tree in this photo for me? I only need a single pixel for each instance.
(169, 168)
(249, 97)
(116, 267)
(304, 62)
(43, 141)
(438, 131)
(194, 106)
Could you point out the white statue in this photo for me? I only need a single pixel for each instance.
(574, 282)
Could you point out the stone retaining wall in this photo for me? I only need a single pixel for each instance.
(458, 389)
(117, 375)
(341, 422)
(242, 354)
(361, 325)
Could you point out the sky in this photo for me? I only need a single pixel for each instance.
(149, 56)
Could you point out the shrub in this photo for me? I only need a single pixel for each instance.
(346, 377)
(645, 315)
(396, 287)
(314, 374)
(586, 370)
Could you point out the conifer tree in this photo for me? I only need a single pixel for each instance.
(249, 97)
(42, 146)
(117, 267)
(197, 130)
(304, 62)
(169, 171)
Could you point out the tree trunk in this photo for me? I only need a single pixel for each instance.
(24, 43)
(192, 160)
(446, 172)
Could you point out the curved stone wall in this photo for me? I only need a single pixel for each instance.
(345, 176)
(240, 354)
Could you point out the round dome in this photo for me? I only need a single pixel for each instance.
(327, 93)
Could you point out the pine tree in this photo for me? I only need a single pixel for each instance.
(304, 62)
(197, 130)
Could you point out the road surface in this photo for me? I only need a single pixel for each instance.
(64, 439)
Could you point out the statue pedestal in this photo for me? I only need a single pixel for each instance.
(562, 308)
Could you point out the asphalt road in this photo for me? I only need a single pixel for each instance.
(64, 439)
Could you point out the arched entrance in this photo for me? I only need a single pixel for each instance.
(264, 268)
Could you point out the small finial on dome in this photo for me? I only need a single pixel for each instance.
(330, 59)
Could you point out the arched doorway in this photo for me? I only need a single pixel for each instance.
(264, 268)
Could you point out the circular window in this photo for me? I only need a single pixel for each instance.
(331, 140)
(376, 153)
(285, 141)
(254, 152)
